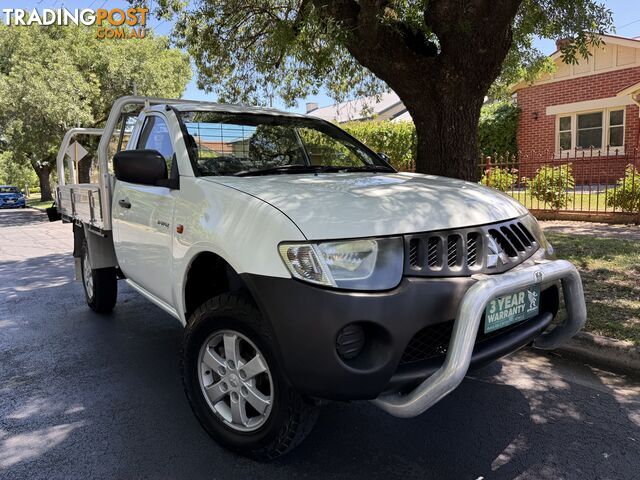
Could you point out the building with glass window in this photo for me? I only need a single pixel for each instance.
(586, 112)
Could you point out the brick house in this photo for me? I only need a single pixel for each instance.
(586, 113)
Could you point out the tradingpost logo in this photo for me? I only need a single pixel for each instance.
(112, 23)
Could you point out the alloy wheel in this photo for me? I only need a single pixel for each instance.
(87, 275)
(235, 380)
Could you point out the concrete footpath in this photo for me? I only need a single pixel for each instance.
(601, 230)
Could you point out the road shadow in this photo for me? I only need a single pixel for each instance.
(21, 216)
(31, 275)
(94, 396)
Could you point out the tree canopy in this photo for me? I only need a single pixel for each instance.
(442, 57)
(55, 78)
(252, 50)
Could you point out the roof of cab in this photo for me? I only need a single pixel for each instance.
(227, 108)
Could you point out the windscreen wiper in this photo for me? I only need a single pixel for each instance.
(284, 169)
(312, 169)
(366, 168)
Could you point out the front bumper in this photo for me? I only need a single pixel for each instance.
(306, 321)
(468, 319)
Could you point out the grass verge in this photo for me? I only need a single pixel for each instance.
(610, 270)
(34, 202)
(588, 202)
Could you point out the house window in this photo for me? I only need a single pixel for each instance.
(591, 130)
(565, 133)
(616, 128)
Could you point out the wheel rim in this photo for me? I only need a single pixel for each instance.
(235, 380)
(87, 275)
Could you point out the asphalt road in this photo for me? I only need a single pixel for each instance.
(85, 396)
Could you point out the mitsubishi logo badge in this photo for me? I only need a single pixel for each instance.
(538, 276)
(495, 254)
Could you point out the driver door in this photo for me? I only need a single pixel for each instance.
(143, 218)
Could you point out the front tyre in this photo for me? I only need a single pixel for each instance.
(235, 385)
(100, 285)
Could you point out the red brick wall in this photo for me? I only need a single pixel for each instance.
(536, 137)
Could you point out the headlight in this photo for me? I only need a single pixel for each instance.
(369, 264)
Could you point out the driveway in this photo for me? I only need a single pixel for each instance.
(86, 396)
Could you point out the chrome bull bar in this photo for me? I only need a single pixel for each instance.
(467, 322)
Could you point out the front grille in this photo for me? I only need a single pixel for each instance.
(452, 250)
(433, 340)
(490, 248)
(433, 251)
(473, 239)
(429, 342)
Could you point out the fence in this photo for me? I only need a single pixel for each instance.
(597, 185)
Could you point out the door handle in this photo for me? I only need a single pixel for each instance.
(124, 203)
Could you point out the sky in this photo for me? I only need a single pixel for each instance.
(626, 16)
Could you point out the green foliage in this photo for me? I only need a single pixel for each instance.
(626, 195)
(550, 185)
(498, 127)
(255, 50)
(441, 57)
(578, 21)
(500, 178)
(15, 173)
(396, 139)
(54, 78)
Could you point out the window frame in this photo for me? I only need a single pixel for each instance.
(315, 123)
(154, 119)
(605, 150)
(173, 180)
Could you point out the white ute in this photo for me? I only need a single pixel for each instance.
(303, 267)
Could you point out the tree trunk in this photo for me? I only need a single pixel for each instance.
(442, 83)
(44, 177)
(447, 134)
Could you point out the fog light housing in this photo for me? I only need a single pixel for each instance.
(350, 341)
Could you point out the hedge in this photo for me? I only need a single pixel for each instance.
(396, 139)
(497, 128)
(496, 135)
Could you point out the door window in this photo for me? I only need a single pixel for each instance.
(155, 136)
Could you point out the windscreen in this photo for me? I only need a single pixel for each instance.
(8, 190)
(230, 144)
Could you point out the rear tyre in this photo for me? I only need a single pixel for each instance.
(100, 285)
(235, 385)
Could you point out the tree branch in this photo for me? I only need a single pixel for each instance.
(373, 40)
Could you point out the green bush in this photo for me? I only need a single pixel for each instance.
(626, 195)
(497, 128)
(500, 178)
(550, 185)
(496, 135)
(396, 139)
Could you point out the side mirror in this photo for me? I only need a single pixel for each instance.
(146, 167)
(384, 157)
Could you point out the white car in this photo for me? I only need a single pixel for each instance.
(305, 268)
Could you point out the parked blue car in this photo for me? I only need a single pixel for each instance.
(11, 197)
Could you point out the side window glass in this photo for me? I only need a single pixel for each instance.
(155, 136)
